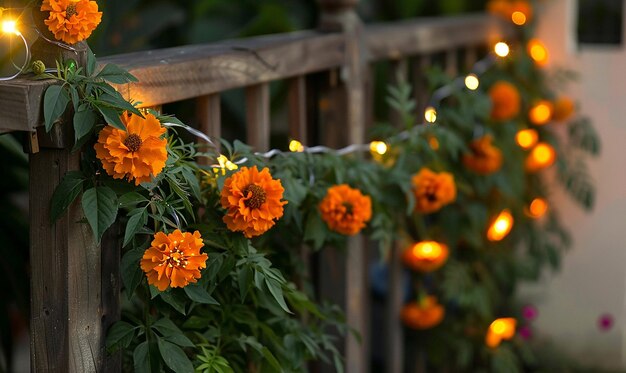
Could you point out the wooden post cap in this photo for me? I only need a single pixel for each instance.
(337, 15)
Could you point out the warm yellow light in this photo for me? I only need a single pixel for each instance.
(503, 328)
(541, 112)
(518, 18)
(10, 27)
(378, 147)
(526, 138)
(426, 256)
(472, 82)
(501, 49)
(296, 146)
(501, 226)
(225, 163)
(537, 208)
(543, 155)
(538, 52)
(430, 114)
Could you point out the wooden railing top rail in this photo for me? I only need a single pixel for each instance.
(174, 74)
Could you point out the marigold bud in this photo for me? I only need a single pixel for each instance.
(38, 67)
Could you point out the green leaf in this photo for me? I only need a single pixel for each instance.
(174, 357)
(141, 358)
(119, 336)
(65, 193)
(171, 332)
(198, 293)
(117, 101)
(131, 272)
(135, 223)
(277, 292)
(54, 104)
(111, 117)
(267, 354)
(173, 301)
(100, 208)
(91, 62)
(84, 121)
(243, 278)
(115, 74)
(315, 230)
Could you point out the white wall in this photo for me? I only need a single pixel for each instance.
(593, 276)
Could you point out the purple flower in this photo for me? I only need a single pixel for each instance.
(525, 332)
(605, 322)
(529, 312)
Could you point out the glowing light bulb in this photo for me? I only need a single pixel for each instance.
(543, 155)
(430, 114)
(537, 208)
(296, 146)
(426, 256)
(501, 49)
(10, 27)
(537, 52)
(527, 138)
(378, 147)
(519, 18)
(501, 226)
(502, 328)
(541, 112)
(472, 82)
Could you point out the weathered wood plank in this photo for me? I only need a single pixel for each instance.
(297, 109)
(258, 116)
(420, 85)
(209, 114)
(50, 347)
(20, 104)
(452, 63)
(433, 34)
(66, 311)
(174, 74)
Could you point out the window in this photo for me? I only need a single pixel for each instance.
(600, 22)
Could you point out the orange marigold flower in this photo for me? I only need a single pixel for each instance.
(71, 21)
(253, 201)
(137, 153)
(484, 158)
(174, 259)
(564, 107)
(345, 210)
(424, 314)
(433, 190)
(505, 100)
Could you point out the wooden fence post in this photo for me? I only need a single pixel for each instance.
(69, 317)
(340, 15)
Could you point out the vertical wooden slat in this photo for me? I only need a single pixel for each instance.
(394, 348)
(420, 85)
(258, 116)
(340, 15)
(209, 116)
(298, 109)
(452, 68)
(66, 329)
(111, 287)
(471, 56)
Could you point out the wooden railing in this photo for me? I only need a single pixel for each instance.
(75, 292)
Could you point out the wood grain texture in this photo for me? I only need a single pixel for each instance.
(65, 276)
(297, 109)
(430, 35)
(209, 114)
(174, 74)
(258, 116)
(21, 104)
